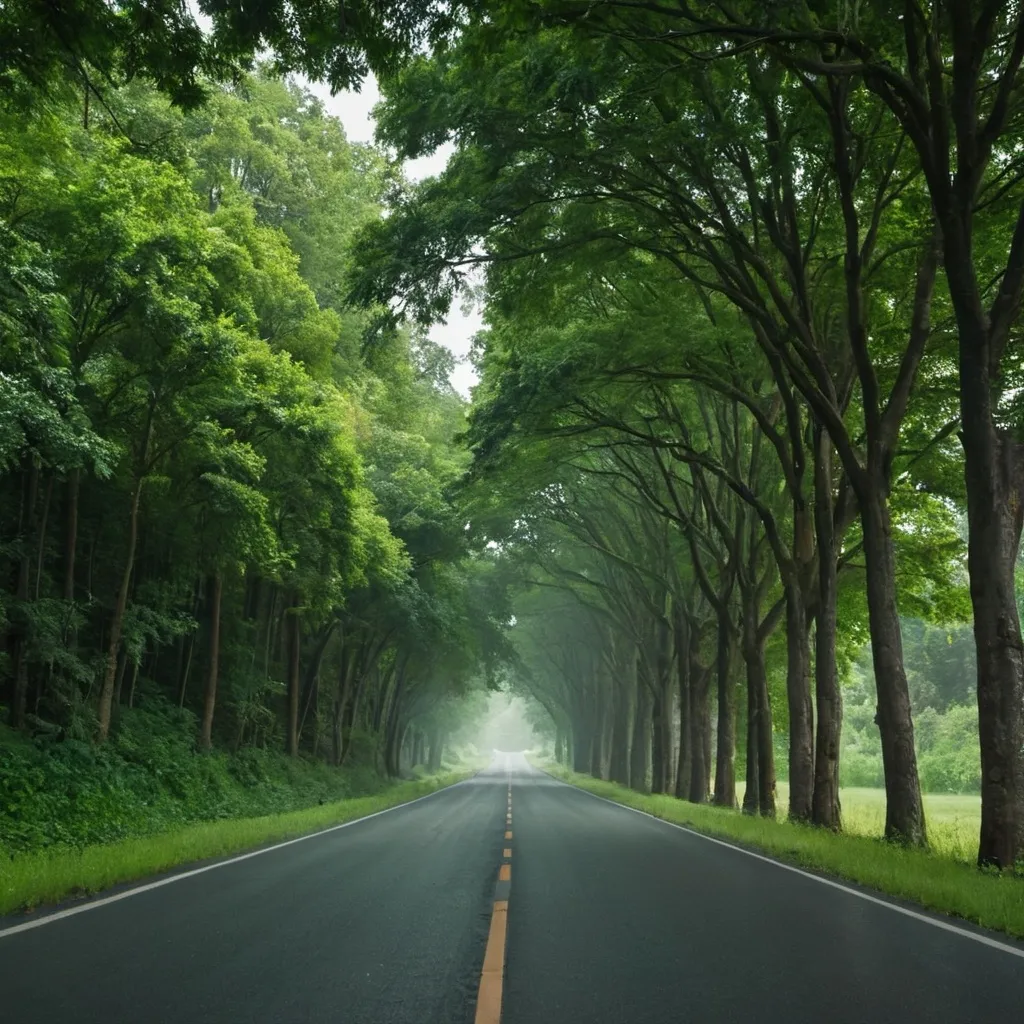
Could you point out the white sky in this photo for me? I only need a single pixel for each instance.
(355, 111)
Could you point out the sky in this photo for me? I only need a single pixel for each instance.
(355, 111)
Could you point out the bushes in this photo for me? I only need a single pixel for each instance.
(949, 758)
(149, 778)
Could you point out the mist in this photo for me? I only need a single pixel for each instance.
(505, 725)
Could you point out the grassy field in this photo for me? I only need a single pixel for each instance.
(939, 882)
(31, 879)
(953, 820)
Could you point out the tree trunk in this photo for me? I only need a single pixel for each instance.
(765, 747)
(559, 745)
(725, 753)
(214, 590)
(752, 787)
(640, 748)
(904, 812)
(71, 549)
(684, 764)
(312, 673)
(622, 728)
(759, 796)
(117, 620)
(41, 548)
(294, 677)
(996, 473)
(582, 744)
(801, 713)
(825, 809)
(19, 639)
(597, 759)
(131, 689)
(661, 747)
(700, 733)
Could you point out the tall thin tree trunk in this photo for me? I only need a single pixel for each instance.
(765, 747)
(699, 725)
(801, 714)
(904, 811)
(640, 749)
(41, 549)
(121, 602)
(826, 808)
(19, 639)
(214, 590)
(294, 677)
(752, 786)
(725, 752)
(117, 619)
(684, 763)
(70, 551)
(622, 728)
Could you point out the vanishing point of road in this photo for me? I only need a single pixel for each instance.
(512, 893)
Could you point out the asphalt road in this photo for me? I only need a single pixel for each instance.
(613, 918)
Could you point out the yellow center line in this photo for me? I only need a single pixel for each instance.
(505, 873)
(488, 1000)
(508, 835)
(506, 853)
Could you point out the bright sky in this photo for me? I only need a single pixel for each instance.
(355, 111)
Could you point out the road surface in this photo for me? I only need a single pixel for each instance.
(612, 918)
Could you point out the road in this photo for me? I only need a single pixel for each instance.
(612, 918)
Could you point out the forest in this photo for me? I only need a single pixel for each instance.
(738, 496)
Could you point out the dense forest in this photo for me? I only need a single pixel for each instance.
(224, 504)
(739, 494)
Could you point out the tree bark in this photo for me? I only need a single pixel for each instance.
(825, 810)
(640, 748)
(214, 590)
(684, 764)
(622, 728)
(904, 812)
(725, 730)
(121, 601)
(117, 619)
(801, 713)
(759, 796)
(700, 732)
(294, 676)
(995, 472)
(582, 744)
(19, 638)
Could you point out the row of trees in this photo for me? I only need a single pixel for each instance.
(221, 485)
(754, 280)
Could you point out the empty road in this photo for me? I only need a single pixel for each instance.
(612, 918)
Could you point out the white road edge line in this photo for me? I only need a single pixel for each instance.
(59, 915)
(985, 940)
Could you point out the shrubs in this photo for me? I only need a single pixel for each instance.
(150, 778)
(948, 753)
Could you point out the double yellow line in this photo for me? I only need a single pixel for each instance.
(488, 1000)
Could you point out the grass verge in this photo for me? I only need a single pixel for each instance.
(28, 880)
(936, 882)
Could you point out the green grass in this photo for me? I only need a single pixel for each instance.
(953, 820)
(938, 882)
(30, 879)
